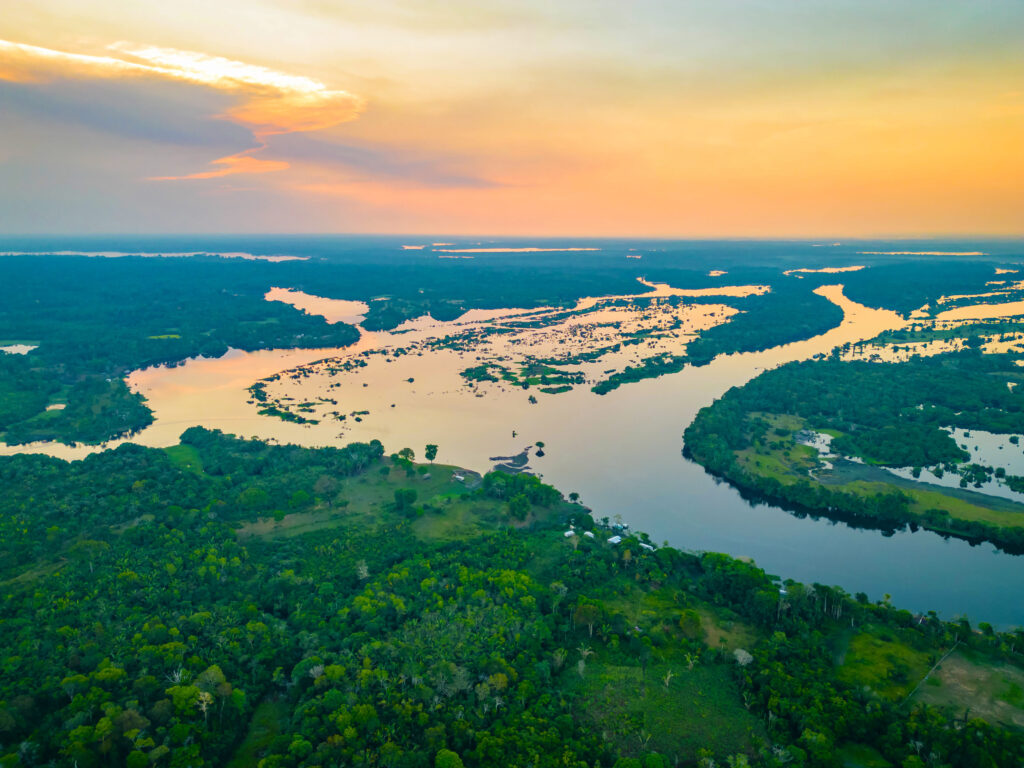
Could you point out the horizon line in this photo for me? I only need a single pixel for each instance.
(651, 238)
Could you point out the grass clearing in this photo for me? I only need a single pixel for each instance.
(645, 608)
(698, 709)
(719, 627)
(956, 502)
(34, 572)
(450, 513)
(877, 659)
(722, 629)
(783, 459)
(965, 510)
(186, 457)
(460, 519)
(787, 465)
(777, 454)
(993, 691)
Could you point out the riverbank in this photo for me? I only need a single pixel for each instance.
(879, 414)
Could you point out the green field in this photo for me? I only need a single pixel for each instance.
(676, 715)
(777, 456)
(186, 457)
(876, 658)
(966, 682)
(450, 512)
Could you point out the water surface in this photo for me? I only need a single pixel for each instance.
(620, 451)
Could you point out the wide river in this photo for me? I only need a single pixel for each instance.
(620, 451)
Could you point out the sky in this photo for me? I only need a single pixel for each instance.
(647, 118)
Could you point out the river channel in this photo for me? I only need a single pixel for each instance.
(620, 451)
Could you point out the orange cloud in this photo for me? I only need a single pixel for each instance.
(276, 102)
(243, 162)
(271, 102)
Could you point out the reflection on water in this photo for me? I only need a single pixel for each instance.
(513, 250)
(923, 253)
(664, 290)
(1005, 290)
(332, 310)
(902, 351)
(18, 349)
(164, 255)
(621, 452)
(825, 270)
(987, 449)
(983, 311)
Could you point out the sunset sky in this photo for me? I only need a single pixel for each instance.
(689, 118)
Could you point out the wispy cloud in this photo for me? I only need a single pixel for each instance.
(270, 102)
(243, 162)
(275, 102)
(385, 163)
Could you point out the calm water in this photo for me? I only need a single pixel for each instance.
(621, 452)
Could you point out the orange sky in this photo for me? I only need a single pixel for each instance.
(583, 117)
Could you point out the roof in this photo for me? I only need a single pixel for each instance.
(614, 539)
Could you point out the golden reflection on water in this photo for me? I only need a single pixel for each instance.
(983, 311)
(436, 406)
(332, 310)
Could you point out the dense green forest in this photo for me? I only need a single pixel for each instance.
(790, 312)
(94, 320)
(888, 414)
(907, 285)
(226, 602)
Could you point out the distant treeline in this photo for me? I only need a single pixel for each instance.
(95, 319)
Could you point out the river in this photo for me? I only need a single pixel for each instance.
(620, 451)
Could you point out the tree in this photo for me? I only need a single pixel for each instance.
(430, 452)
(540, 447)
(558, 593)
(689, 623)
(587, 613)
(404, 499)
(519, 506)
(574, 497)
(447, 759)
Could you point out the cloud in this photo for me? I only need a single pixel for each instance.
(268, 102)
(382, 163)
(167, 113)
(275, 103)
(243, 162)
